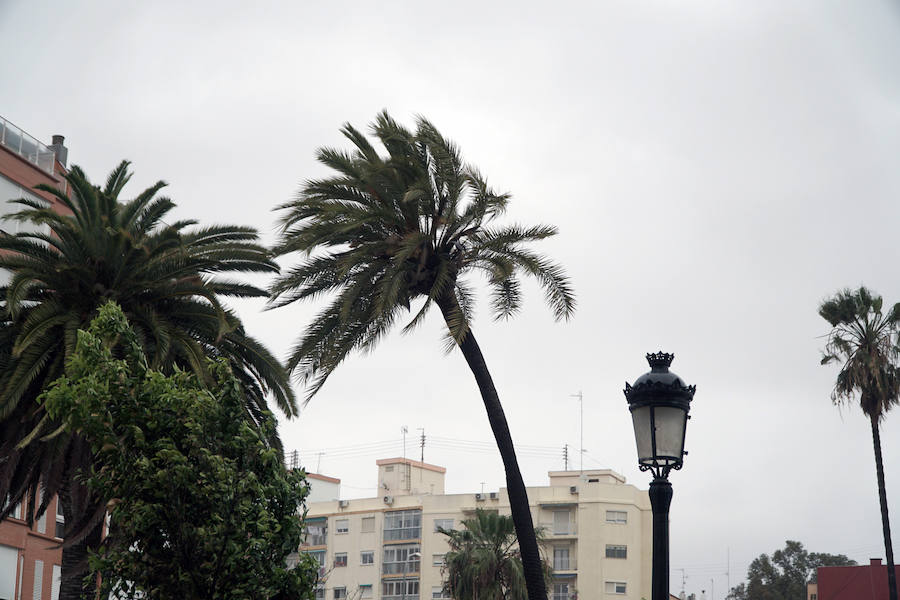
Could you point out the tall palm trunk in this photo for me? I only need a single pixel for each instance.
(74, 567)
(885, 521)
(518, 496)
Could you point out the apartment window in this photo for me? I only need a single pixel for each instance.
(60, 520)
(560, 591)
(616, 551)
(402, 525)
(561, 559)
(561, 522)
(438, 560)
(438, 592)
(340, 593)
(389, 469)
(394, 589)
(342, 525)
(319, 556)
(365, 591)
(340, 559)
(368, 525)
(401, 559)
(443, 524)
(616, 516)
(316, 532)
(615, 587)
(320, 592)
(367, 557)
(813, 597)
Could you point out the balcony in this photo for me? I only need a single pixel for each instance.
(17, 141)
(563, 565)
(559, 530)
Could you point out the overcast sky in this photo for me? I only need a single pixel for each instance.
(715, 169)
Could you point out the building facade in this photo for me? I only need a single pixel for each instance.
(597, 535)
(30, 557)
(867, 582)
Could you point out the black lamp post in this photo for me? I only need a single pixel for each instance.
(659, 402)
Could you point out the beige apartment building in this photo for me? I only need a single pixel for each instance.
(597, 529)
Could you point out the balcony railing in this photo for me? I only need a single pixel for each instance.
(564, 564)
(14, 139)
(551, 530)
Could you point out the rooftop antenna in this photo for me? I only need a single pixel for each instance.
(683, 577)
(580, 397)
(319, 462)
(404, 430)
(482, 487)
(422, 443)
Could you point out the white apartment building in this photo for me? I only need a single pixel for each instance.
(597, 529)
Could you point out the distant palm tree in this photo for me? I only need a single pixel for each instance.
(387, 231)
(163, 277)
(483, 562)
(863, 340)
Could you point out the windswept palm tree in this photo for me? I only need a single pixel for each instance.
(166, 278)
(388, 231)
(863, 340)
(483, 561)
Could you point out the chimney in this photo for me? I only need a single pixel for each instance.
(59, 149)
(874, 562)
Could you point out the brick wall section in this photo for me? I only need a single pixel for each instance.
(27, 175)
(33, 545)
(865, 582)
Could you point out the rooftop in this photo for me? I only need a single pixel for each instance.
(18, 142)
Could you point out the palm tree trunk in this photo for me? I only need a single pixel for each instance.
(74, 566)
(518, 496)
(885, 521)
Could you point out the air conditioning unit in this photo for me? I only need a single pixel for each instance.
(573, 489)
(493, 495)
(343, 503)
(479, 497)
(388, 500)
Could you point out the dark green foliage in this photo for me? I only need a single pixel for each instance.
(784, 575)
(483, 562)
(200, 504)
(387, 231)
(862, 341)
(165, 276)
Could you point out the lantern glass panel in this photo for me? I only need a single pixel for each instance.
(670, 424)
(641, 420)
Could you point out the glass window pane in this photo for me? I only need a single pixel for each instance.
(641, 419)
(669, 431)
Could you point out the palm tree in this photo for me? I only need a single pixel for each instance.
(164, 276)
(386, 231)
(863, 341)
(483, 562)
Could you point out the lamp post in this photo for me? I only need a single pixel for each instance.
(659, 402)
(403, 583)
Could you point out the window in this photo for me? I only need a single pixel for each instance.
(368, 525)
(319, 556)
(615, 587)
(561, 559)
(438, 560)
(320, 592)
(393, 589)
(402, 525)
(367, 557)
(443, 524)
(616, 516)
(616, 551)
(561, 522)
(316, 532)
(340, 559)
(438, 592)
(342, 525)
(365, 591)
(401, 559)
(60, 520)
(813, 597)
(389, 469)
(560, 591)
(340, 593)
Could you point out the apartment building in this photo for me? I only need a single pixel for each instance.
(597, 529)
(29, 556)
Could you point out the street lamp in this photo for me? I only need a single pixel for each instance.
(403, 583)
(659, 402)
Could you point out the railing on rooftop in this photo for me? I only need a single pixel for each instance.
(15, 139)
